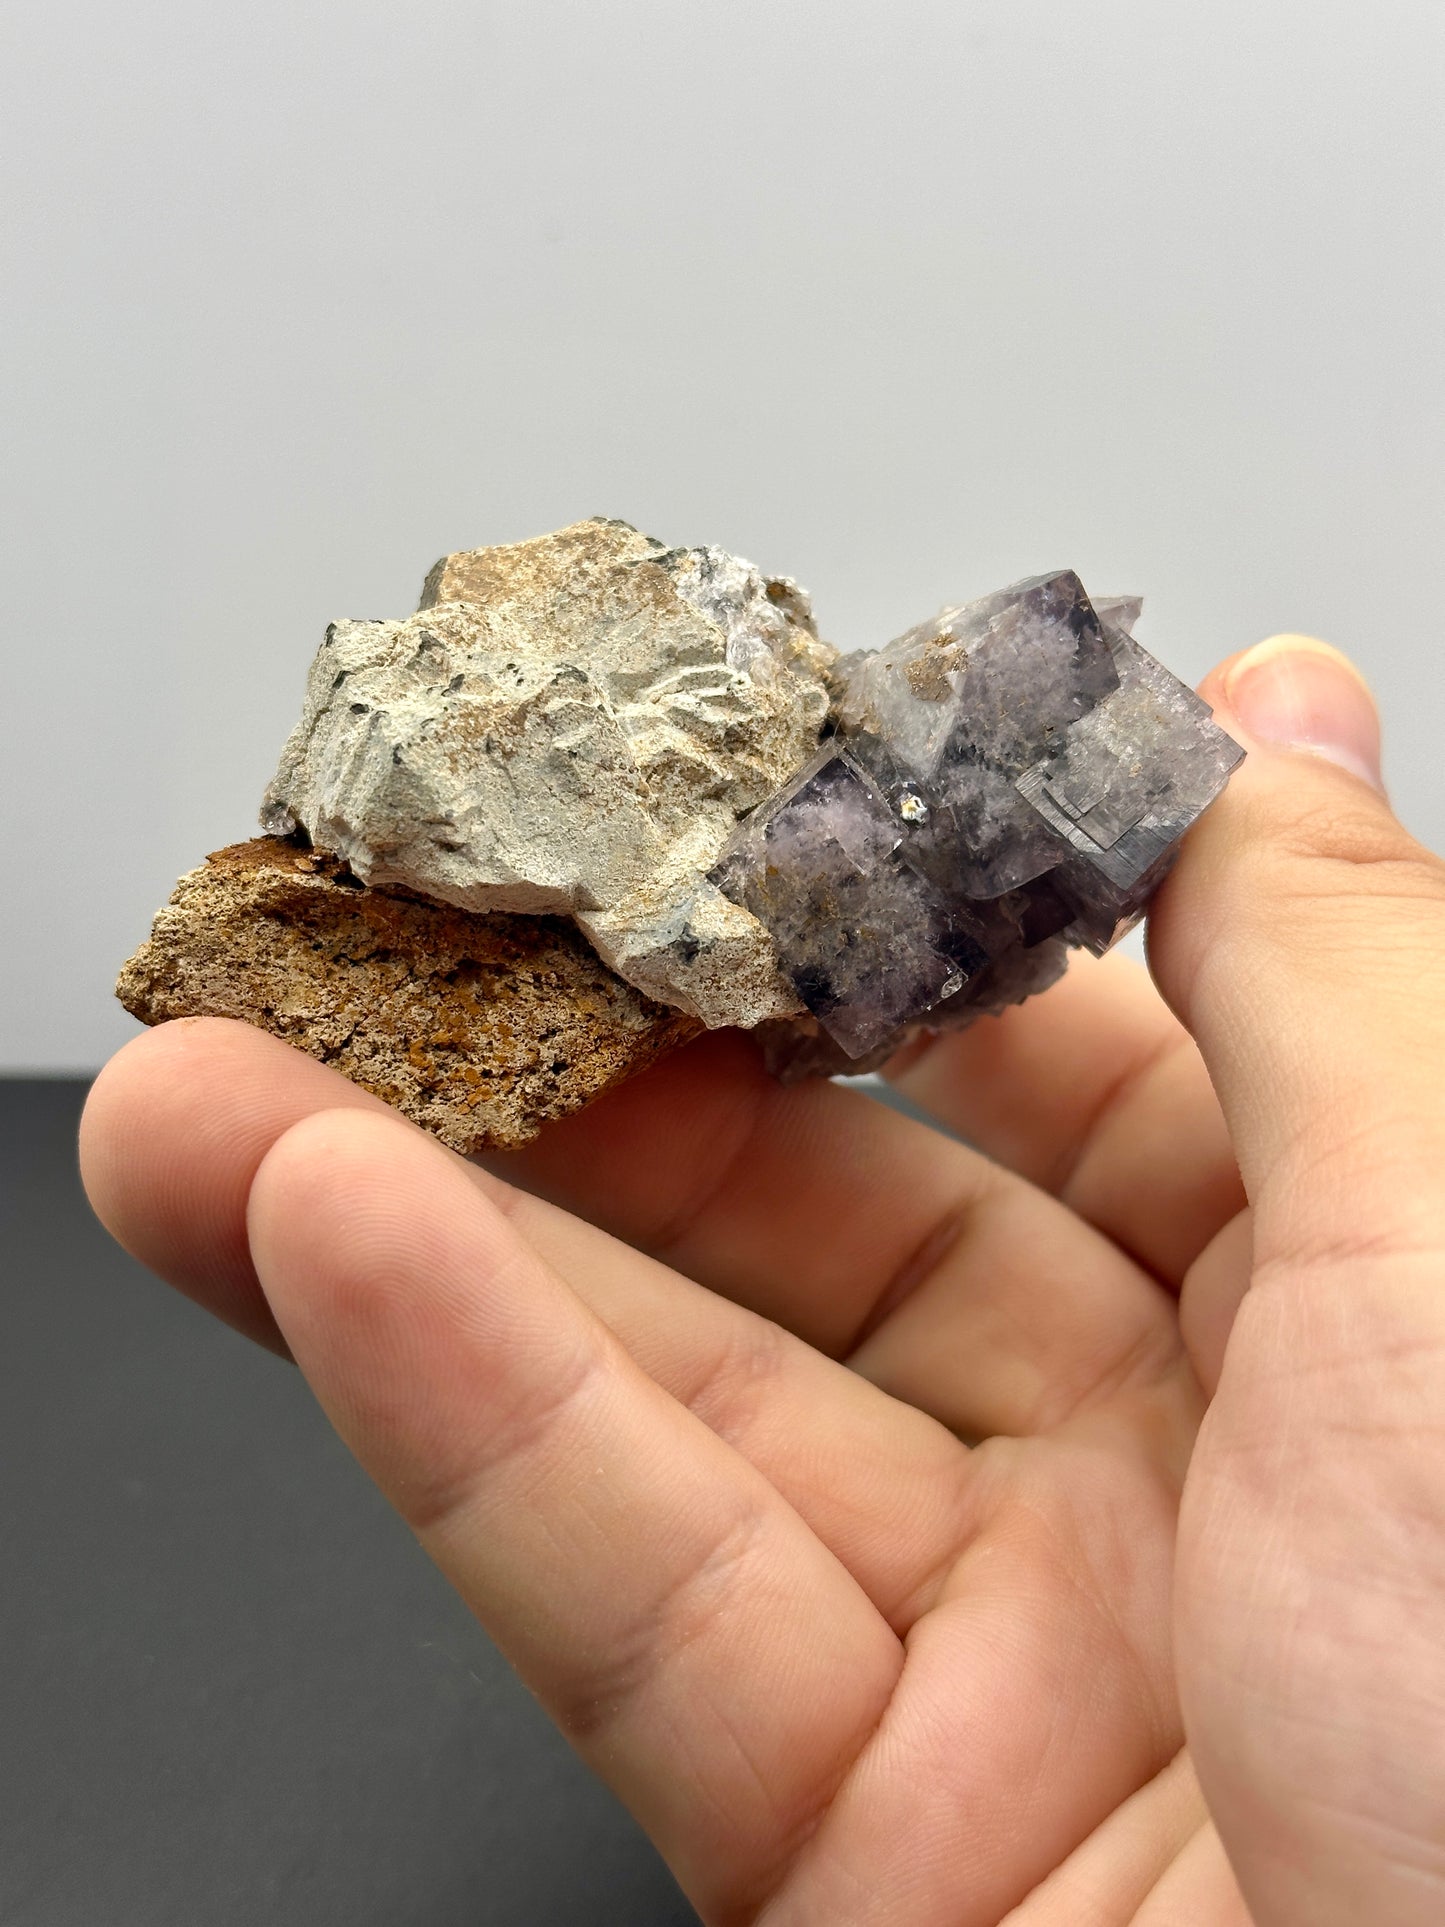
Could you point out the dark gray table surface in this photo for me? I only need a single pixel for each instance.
(233, 1690)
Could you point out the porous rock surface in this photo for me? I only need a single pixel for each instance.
(478, 1027)
(571, 725)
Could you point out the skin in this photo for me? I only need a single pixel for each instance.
(1051, 1531)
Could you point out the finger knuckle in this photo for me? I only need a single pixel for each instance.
(1351, 846)
(588, 1701)
(522, 1429)
(739, 1378)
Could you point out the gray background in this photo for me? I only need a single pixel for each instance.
(905, 300)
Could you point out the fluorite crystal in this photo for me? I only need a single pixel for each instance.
(1005, 780)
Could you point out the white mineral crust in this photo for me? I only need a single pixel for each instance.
(572, 724)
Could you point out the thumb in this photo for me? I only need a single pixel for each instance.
(1301, 939)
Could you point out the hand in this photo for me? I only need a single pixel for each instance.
(823, 1477)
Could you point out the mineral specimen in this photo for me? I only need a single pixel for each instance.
(572, 724)
(1008, 778)
(597, 794)
(479, 1027)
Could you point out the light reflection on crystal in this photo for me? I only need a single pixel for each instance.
(1008, 778)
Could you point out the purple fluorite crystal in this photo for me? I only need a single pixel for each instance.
(1005, 780)
(867, 939)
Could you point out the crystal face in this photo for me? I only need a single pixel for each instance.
(1005, 780)
(865, 937)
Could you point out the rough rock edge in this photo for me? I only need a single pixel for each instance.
(480, 1027)
(570, 725)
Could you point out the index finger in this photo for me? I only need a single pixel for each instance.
(691, 1636)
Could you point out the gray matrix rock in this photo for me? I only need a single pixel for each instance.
(571, 724)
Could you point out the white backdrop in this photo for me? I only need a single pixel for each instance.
(906, 300)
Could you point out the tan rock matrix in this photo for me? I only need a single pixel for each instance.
(478, 1027)
(574, 725)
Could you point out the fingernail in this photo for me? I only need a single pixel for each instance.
(1302, 694)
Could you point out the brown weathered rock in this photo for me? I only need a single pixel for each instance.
(479, 1027)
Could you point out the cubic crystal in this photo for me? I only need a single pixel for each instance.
(1004, 780)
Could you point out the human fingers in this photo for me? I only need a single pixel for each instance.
(964, 1293)
(1214, 1288)
(967, 1294)
(947, 1281)
(1108, 1877)
(1037, 1698)
(695, 1641)
(1199, 1888)
(1301, 940)
(898, 1501)
(180, 1122)
(173, 1132)
(1096, 1093)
